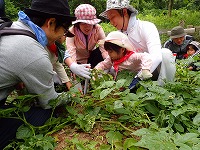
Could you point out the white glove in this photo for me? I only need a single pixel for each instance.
(81, 69)
(145, 74)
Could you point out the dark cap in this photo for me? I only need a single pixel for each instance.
(177, 32)
(58, 9)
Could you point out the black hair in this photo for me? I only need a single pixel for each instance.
(108, 46)
(120, 11)
(41, 20)
(193, 46)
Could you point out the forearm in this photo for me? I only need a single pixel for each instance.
(68, 61)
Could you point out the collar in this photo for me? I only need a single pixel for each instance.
(131, 23)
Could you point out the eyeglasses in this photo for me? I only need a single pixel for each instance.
(65, 34)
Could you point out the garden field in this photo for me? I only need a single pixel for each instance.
(110, 117)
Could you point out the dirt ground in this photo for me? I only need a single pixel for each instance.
(98, 134)
(68, 133)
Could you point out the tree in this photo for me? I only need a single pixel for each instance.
(170, 7)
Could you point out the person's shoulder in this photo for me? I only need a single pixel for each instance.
(147, 23)
(97, 26)
(167, 43)
(189, 37)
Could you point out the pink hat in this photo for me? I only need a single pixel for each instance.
(87, 14)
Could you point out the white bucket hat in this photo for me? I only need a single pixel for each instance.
(196, 44)
(118, 4)
(118, 38)
(86, 13)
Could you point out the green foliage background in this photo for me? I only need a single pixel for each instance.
(153, 10)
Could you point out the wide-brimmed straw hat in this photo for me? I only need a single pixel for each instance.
(58, 9)
(118, 38)
(177, 32)
(86, 13)
(118, 4)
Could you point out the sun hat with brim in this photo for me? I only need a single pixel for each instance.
(58, 9)
(118, 38)
(177, 32)
(195, 43)
(118, 4)
(86, 13)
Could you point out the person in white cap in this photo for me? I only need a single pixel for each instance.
(144, 37)
(193, 49)
(122, 56)
(83, 46)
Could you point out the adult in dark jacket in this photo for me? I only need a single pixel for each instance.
(178, 42)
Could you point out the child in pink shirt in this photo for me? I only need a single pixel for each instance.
(122, 56)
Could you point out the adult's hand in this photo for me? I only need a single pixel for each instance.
(81, 69)
(145, 74)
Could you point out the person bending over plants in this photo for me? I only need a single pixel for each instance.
(122, 56)
(144, 37)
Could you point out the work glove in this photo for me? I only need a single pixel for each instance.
(81, 69)
(145, 74)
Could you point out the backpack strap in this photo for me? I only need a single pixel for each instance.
(13, 31)
(5, 29)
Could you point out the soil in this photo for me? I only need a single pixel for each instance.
(98, 134)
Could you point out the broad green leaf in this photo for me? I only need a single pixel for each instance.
(25, 108)
(120, 83)
(122, 111)
(186, 138)
(179, 127)
(105, 147)
(6, 112)
(196, 119)
(196, 147)
(118, 104)
(48, 146)
(92, 145)
(152, 108)
(129, 142)
(71, 110)
(107, 84)
(80, 146)
(130, 97)
(105, 93)
(185, 147)
(23, 132)
(182, 110)
(155, 140)
(113, 136)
